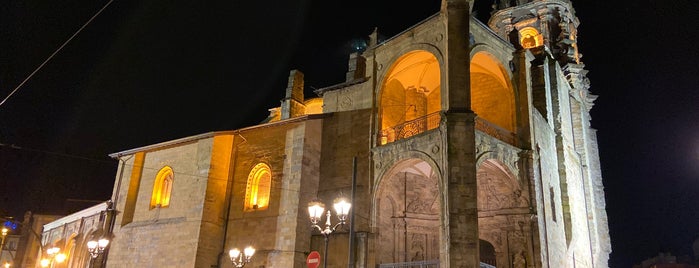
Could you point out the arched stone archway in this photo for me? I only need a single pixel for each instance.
(410, 97)
(408, 213)
(492, 94)
(503, 212)
(486, 251)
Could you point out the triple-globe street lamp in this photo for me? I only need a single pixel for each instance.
(239, 260)
(315, 212)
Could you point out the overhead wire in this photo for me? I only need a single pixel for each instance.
(12, 146)
(54, 53)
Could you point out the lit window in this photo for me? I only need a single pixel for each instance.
(162, 188)
(259, 184)
(530, 37)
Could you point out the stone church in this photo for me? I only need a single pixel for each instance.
(462, 142)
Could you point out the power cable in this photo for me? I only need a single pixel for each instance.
(12, 146)
(55, 52)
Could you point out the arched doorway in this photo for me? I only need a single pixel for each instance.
(408, 209)
(486, 251)
(503, 213)
(410, 97)
(492, 97)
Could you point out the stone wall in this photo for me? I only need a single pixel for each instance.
(169, 236)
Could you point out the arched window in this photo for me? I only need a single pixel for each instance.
(258, 188)
(162, 188)
(530, 37)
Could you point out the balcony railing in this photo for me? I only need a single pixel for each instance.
(495, 131)
(431, 121)
(409, 128)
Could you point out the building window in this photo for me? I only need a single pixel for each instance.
(530, 37)
(162, 188)
(258, 188)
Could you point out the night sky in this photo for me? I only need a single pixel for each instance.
(145, 72)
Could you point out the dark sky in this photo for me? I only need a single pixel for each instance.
(144, 72)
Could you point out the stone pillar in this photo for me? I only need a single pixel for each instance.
(292, 104)
(526, 165)
(356, 68)
(299, 186)
(459, 185)
(522, 76)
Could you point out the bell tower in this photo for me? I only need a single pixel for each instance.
(544, 23)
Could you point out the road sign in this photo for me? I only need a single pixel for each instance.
(313, 260)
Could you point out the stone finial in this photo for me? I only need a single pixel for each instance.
(459, 4)
(292, 104)
(374, 37)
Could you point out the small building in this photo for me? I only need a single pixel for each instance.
(68, 236)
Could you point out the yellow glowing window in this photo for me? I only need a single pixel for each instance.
(162, 188)
(530, 37)
(258, 188)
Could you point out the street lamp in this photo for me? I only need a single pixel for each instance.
(52, 251)
(96, 248)
(239, 260)
(60, 257)
(54, 255)
(4, 234)
(315, 211)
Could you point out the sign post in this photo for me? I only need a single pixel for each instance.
(313, 260)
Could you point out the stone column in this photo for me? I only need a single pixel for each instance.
(459, 185)
(522, 76)
(299, 186)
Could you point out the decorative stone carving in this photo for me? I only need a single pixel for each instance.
(518, 260)
(346, 102)
(505, 153)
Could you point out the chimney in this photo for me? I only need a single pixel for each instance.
(292, 104)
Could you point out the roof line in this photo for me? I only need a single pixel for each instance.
(214, 133)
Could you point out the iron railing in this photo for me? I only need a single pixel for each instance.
(495, 131)
(422, 264)
(419, 125)
(410, 128)
(414, 264)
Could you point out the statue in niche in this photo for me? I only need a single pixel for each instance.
(493, 200)
(519, 200)
(417, 247)
(519, 261)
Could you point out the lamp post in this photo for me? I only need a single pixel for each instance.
(96, 248)
(315, 211)
(239, 260)
(54, 256)
(4, 234)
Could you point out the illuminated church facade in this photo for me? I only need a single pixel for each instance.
(469, 144)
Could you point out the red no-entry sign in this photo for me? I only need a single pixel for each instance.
(313, 260)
